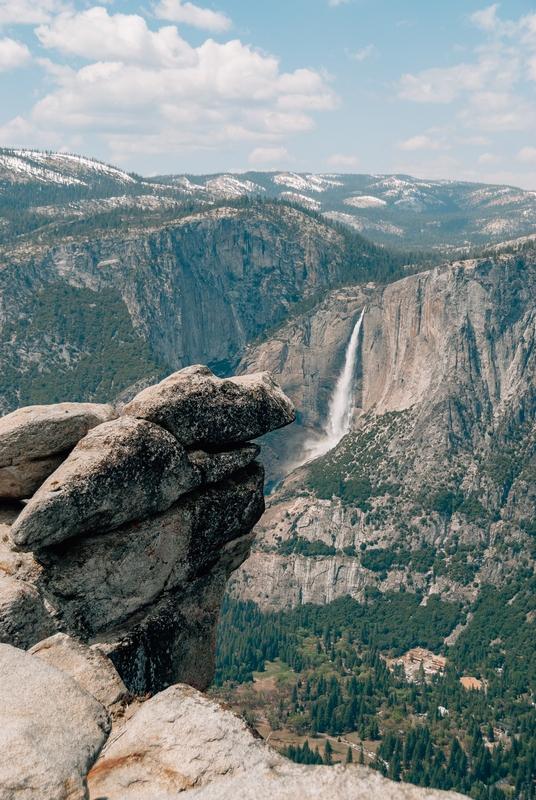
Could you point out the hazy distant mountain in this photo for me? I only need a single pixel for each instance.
(36, 189)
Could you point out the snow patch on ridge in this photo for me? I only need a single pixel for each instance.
(229, 186)
(365, 201)
(308, 183)
(308, 202)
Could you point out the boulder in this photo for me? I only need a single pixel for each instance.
(233, 409)
(175, 741)
(149, 592)
(181, 740)
(24, 619)
(51, 733)
(36, 439)
(22, 480)
(121, 471)
(288, 781)
(89, 667)
(214, 467)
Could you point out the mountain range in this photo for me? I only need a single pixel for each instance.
(439, 216)
(398, 315)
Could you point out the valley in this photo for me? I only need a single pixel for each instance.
(401, 504)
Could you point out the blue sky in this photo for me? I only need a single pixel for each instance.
(434, 90)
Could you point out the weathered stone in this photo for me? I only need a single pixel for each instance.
(181, 740)
(51, 733)
(123, 470)
(176, 640)
(177, 740)
(22, 480)
(89, 667)
(233, 410)
(288, 781)
(35, 440)
(40, 431)
(215, 467)
(134, 590)
(24, 620)
(14, 563)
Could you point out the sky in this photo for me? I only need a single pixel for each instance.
(433, 90)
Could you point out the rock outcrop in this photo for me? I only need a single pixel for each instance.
(177, 740)
(24, 618)
(233, 410)
(51, 733)
(288, 781)
(89, 667)
(35, 440)
(122, 471)
(120, 601)
(129, 544)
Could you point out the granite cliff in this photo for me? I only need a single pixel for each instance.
(433, 488)
(94, 314)
(139, 517)
(113, 571)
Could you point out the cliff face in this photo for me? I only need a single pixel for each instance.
(127, 544)
(111, 578)
(195, 291)
(434, 486)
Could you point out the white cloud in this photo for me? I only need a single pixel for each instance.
(337, 2)
(478, 141)
(366, 52)
(489, 90)
(13, 55)
(152, 92)
(339, 160)
(270, 155)
(486, 19)
(190, 14)
(527, 154)
(442, 85)
(489, 158)
(28, 12)
(94, 34)
(422, 142)
(19, 132)
(491, 78)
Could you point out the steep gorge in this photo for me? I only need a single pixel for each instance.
(434, 488)
(150, 300)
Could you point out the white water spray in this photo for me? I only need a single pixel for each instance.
(340, 407)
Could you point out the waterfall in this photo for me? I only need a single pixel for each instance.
(340, 407)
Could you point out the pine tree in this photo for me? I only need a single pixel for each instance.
(328, 753)
(349, 756)
(394, 765)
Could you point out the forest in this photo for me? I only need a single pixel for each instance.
(343, 677)
(96, 351)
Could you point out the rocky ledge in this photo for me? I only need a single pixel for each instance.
(118, 531)
(138, 518)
